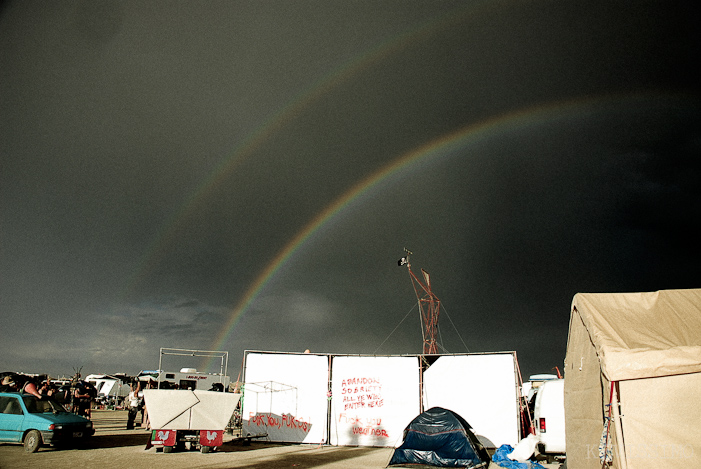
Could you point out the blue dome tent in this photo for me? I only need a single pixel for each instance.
(440, 437)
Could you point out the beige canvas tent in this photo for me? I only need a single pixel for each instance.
(641, 351)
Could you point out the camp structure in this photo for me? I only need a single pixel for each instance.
(110, 389)
(633, 380)
(440, 437)
(181, 416)
(368, 400)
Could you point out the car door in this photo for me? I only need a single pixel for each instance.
(11, 419)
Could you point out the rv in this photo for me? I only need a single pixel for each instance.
(186, 378)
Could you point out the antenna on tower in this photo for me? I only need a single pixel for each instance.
(405, 260)
(429, 306)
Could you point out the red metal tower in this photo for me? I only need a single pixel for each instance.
(429, 305)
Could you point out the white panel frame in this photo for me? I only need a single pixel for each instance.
(285, 396)
(374, 399)
(482, 389)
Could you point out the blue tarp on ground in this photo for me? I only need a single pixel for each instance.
(501, 459)
(440, 437)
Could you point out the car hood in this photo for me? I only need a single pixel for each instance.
(62, 418)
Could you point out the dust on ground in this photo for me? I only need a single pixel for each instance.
(114, 446)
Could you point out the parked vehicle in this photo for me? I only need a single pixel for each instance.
(34, 422)
(530, 387)
(549, 416)
(186, 378)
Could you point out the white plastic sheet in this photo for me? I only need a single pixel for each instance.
(189, 410)
(285, 397)
(482, 389)
(374, 399)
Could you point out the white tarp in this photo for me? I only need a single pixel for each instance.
(482, 389)
(285, 396)
(189, 410)
(374, 399)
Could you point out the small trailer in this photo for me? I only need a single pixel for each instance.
(195, 418)
(189, 415)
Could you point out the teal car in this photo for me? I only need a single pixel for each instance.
(35, 422)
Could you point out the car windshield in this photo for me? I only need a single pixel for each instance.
(36, 406)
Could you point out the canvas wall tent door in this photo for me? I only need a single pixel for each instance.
(641, 352)
(440, 437)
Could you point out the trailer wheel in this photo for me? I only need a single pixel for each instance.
(205, 449)
(168, 449)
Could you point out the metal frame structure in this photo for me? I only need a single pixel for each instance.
(224, 356)
(271, 387)
(429, 306)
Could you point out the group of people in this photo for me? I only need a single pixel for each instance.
(83, 394)
(79, 395)
(22, 383)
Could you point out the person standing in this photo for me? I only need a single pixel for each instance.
(133, 404)
(82, 400)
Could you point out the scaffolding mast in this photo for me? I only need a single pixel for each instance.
(429, 306)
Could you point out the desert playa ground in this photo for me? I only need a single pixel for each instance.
(115, 447)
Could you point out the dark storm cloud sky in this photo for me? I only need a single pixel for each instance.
(158, 157)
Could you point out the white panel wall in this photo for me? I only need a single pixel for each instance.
(374, 399)
(482, 389)
(285, 396)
